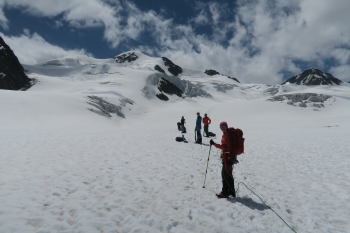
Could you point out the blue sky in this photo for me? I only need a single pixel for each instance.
(265, 41)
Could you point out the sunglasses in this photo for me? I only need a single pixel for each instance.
(223, 127)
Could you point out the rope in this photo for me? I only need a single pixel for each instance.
(255, 195)
(264, 204)
(260, 200)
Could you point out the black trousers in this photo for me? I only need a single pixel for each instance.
(228, 183)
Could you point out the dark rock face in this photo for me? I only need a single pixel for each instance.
(169, 88)
(129, 57)
(12, 76)
(211, 72)
(163, 97)
(214, 72)
(173, 69)
(234, 79)
(157, 67)
(159, 85)
(313, 77)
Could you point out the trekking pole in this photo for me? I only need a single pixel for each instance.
(205, 177)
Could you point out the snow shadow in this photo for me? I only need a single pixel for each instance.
(250, 203)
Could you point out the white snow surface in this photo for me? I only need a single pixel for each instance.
(66, 169)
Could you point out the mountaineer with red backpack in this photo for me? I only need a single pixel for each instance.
(232, 144)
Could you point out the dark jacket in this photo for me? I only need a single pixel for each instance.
(199, 123)
(182, 121)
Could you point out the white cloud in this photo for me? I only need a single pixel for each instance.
(77, 13)
(32, 49)
(58, 24)
(257, 42)
(341, 72)
(201, 18)
(3, 20)
(270, 36)
(26, 32)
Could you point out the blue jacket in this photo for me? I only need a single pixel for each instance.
(199, 122)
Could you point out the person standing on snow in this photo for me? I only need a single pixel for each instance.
(183, 128)
(198, 128)
(229, 158)
(206, 122)
(182, 121)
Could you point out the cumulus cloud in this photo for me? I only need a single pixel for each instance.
(271, 38)
(256, 41)
(76, 13)
(342, 71)
(33, 49)
(3, 19)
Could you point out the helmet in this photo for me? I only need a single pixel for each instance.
(223, 123)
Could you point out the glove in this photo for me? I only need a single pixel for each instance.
(211, 142)
(234, 160)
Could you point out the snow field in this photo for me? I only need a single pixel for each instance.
(117, 181)
(66, 169)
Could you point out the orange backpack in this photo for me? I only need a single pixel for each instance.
(239, 143)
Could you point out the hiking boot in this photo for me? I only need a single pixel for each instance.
(220, 195)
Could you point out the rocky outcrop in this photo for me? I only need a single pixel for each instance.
(173, 69)
(157, 68)
(233, 78)
(12, 76)
(214, 72)
(211, 72)
(161, 84)
(104, 108)
(302, 99)
(169, 88)
(273, 90)
(223, 87)
(163, 97)
(313, 77)
(126, 57)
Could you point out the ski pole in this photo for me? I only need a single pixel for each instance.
(205, 177)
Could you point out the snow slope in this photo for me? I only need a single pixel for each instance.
(64, 168)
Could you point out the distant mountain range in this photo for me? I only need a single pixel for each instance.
(313, 77)
(12, 76)
(172, 78)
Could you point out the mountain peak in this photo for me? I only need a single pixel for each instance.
(12, 76)
(313, 76)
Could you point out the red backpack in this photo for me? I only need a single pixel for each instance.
(239, 143)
